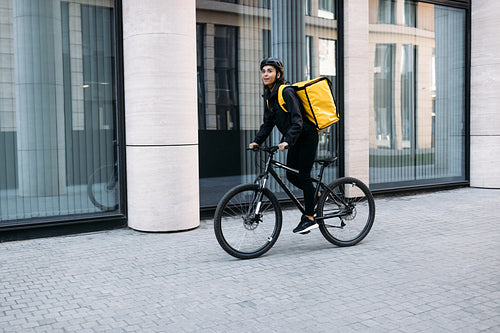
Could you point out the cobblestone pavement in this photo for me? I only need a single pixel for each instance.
(430, 264)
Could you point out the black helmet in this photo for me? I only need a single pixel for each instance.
(276, 63)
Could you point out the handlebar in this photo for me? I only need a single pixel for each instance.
(268, 149)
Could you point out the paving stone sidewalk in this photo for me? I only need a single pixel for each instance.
(430, 264)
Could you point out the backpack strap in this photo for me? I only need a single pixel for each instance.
(281, 100)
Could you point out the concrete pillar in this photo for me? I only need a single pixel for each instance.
(39, 97)
(356, 85)
(288, 37)
(485, 101)
(159, 41)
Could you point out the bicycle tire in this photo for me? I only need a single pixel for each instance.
(352, 199)
(239, 232)
(102, 188)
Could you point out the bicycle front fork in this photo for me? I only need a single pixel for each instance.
(258, 196)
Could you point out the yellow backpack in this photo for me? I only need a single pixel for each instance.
(317, 97)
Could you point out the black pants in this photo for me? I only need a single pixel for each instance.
(301, 157)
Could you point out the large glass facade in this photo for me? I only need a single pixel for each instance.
(58, 135)
(417, 93)
(59, 141)
(232, 40)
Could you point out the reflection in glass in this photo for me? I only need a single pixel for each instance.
(326, 9)
(200, 75)
(386, 12)
(418, 86)
(410, 13)
(408, 83)
(58, 125)
(226, 89)
(384, 93)
(234, 44)
(327, 58)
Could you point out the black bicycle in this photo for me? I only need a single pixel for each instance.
(248, 218)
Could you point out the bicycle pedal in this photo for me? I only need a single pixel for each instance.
(304, 233)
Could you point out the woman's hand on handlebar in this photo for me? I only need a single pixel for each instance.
(282, 146)
(256, 147)
(253, 146)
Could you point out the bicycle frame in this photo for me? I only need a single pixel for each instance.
(249, 217)
(261, 180)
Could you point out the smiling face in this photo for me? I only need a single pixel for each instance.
(269, 75)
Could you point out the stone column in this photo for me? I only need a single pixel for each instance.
(485, 86)
(39, 97)
(159, 45)
(356, 86)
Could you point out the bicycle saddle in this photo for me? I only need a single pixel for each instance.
(326, 161)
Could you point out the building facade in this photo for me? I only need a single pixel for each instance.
(140, 110)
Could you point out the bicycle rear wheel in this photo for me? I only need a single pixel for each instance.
(247, 221)
(348, 210)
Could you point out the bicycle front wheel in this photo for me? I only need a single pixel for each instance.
(346, 212)
(102, 188)
(247, 221)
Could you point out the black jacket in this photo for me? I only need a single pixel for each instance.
(290, 123)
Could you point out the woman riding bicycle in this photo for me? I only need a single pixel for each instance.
(299, 135)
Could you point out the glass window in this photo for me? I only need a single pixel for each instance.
(234, 44)
(266, 43)
(308, 7)
(384, 94)
(219, 140)
(58, 110)
(410, 13)
(408, 80)
(309, 57)
(200, 75)
(327, 59)
(226, 89)
(417, 133)
(326, 9)
(386, 12)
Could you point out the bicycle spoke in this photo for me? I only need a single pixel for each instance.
(239, 245)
